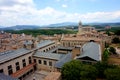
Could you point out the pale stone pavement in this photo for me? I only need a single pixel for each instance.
(37, 75)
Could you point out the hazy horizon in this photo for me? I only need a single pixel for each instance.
(55, 24)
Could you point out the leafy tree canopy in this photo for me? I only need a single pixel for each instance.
(105, 55)
(88, 72)
(112, 50)
(43, 32)
(112, 74)
(116, 40)
(71, 70)
(75, 70)
(101, 67)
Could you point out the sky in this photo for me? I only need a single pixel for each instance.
(44, 12)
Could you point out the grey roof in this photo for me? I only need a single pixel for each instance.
(60, 47)
(91, 50)
(8, 55)
(12, 54)
(45, 42)
(61, 62)
(6, 77)
(49, 55)
(52, 50)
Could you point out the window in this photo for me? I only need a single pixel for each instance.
(46, 49)
(17, 66)
(10, 71)
(34, 60)
(50, 63)
(24, 63)
(30, 60)
(45, 63)
(39, 61)
(1, 70)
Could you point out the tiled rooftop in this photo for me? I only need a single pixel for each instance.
(63, 60)
(92, 50)
(49, 55)
(12, 54)
(5, 56)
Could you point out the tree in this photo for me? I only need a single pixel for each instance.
(106, 45)
(101, 66)
(116, 40)
(112, 50)
(36, 32)
(108, 32)
(71, 70)
(117, 32)
(105, 55)
(75, 70)
(112, 74)
(88, 72)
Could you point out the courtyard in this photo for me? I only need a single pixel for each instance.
(37, 75)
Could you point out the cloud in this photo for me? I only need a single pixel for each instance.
(64, 6)
(8, 3)
(101, 16)
(24, 12)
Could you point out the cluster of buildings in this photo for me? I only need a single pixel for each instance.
(49, 53)
(10, 41)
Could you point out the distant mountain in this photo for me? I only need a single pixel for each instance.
(63, 24)
(60, 25)
(67, 24)
(117, 24)
(21, 27)
(2, 26)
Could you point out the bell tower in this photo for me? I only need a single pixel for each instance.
(80, 27)
(80, 31)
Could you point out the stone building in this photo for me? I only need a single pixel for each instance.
(82, 30)
(48, 55)
(84, 35)
(19, 63)
(53, 59)
(46, 61)
(10, 41)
